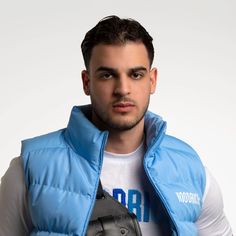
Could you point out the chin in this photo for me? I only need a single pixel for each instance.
(123, 125)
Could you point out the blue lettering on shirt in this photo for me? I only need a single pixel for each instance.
(138, 203)
(134, 202)
(119, 195)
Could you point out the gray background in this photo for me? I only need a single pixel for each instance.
(195, 41)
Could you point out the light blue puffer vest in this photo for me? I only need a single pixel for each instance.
(62, 171)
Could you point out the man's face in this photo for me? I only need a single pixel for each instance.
(119, 82)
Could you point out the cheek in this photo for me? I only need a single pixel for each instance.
(142, 96)
(101, 94)
(142, 90)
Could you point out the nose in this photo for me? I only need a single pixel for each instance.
(122, 86)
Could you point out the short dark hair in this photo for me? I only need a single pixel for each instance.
(113, 30)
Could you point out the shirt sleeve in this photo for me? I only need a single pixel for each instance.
(212, 220)
(14, 212)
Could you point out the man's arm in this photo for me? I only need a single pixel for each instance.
(14, 213)
(212, 220)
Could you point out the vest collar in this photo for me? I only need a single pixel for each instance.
(83, 137)
(155, 129)
(88, 141)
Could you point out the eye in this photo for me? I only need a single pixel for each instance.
(105, 76)
(137, 75)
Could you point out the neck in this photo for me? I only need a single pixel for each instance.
(121, 141)
(125, 141)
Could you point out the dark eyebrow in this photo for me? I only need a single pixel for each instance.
(138, 68)
(112, 70)
(104, 68)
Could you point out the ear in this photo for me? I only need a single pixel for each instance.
(85, 79)
(153, 80)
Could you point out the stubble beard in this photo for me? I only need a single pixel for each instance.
(108, 122)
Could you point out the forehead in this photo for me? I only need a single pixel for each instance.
(128, 55)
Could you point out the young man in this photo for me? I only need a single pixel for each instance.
(51, 188)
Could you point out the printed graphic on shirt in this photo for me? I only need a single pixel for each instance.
(140, 203)
(149, 211)
(137, 203)
(124, 178)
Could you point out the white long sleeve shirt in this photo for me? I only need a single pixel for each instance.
(15, 217)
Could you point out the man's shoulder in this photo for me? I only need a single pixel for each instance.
(172, 143)
(179, 150)
(184, 159)
(53, 139)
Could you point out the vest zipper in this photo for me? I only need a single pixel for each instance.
(157, 191)
(162, 202)
(96, 185)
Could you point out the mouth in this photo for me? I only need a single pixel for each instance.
(123, 107)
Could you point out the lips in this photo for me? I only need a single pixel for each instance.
(123, 106)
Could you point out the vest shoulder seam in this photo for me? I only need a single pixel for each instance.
(59, 189)
(56, 232)
(45, 148)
